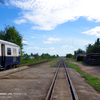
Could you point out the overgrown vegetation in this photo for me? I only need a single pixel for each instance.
(79, 51)
(93, 81)
(76, 68)
(94, 48)
(69, 55)
(25, 58)
(26, 61)
(54, 62)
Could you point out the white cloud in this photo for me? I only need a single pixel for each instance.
(24, 41)
(66, 47)
(44, 48)
(33, 37)
(51, 48)
(95, 31)
(46, 42)
(77, 42)
(6, 3)
(44, 36)
(53, 52)
(29, 48)
(20, 21)
(47, 14)
(35, 47)
(51, 40)
(31, 43)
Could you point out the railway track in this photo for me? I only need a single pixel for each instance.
(61, 87)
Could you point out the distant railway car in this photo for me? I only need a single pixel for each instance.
(9, 55)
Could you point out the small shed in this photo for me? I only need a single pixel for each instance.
(31, 57)
(80, 56)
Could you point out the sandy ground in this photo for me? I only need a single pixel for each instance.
(93, 70)
(30, 84)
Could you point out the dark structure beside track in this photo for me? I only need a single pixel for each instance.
(80, 56)
(92, 59)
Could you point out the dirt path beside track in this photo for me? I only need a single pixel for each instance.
(93, 70)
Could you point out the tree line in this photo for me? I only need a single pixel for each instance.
(42, 56)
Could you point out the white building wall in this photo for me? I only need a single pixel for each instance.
(0, 49)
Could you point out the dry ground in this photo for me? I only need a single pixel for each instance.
(30, 84)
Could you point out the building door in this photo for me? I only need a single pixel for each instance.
(14, 54)
(2, 55)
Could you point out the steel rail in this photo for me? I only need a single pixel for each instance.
(51, 89)
(49, 94)
(73, 92)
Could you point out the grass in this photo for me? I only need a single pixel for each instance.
(76, 68)
(93, 81)
(26, 61)
(54, 62)
(81, 62)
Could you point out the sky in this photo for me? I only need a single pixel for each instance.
(53, 26)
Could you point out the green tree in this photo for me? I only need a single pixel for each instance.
(53, 56)
(2, 35)
(45, 56)
(79, 51)
(12, 35)
(69, 55)
(36, 55)
(32, 54)
(94, 48)
(57, 55)
(26, 55)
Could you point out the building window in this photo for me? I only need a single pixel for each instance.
(14, 52)
(8, 51)
(19, 51)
